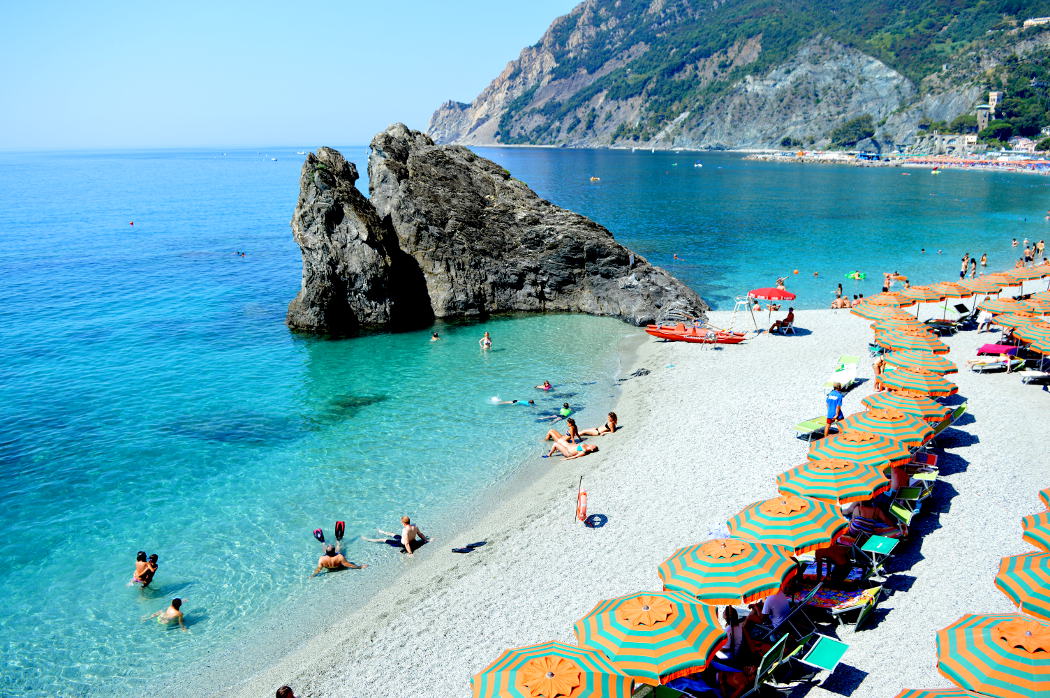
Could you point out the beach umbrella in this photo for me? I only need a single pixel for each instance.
(728, 571)
(1039, 344)
(1004, 305)
(938, 693)
(918, 380)
(900, 426)
(1036, 529)
(922, 294)
(917, 404)
(800, 523)
(1040, 305)
(1044, 495)
(874, 312)
(551, 670)
(1015, 320)
(887, 324)
(1037, 329)
(1000, 654)
(889, 300)
(1005, 281)
(653, 636)
(861, 447)
(769, 294)
(895, 340)
(1029, 273)
(921, 359)
(835, 481)
(984, 284)
(950, 289)
(1025, 579)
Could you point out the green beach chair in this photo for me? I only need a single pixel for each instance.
(959, 412)
(770, 661)
(824, 654)
(864, 611)
(905, 503)
(813, 428)
(876, 550)
(845, 373)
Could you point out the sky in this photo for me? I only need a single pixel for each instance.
(120, 74)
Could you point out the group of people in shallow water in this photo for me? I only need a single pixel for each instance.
(146, 567)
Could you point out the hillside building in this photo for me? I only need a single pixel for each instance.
(983, 112)
(1035, 22)
(994, 99)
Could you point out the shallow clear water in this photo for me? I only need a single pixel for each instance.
(151, 397)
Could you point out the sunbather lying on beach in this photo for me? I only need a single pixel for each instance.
(571, 451)
(608, 428)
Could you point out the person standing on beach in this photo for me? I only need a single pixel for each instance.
(486, 341)
(834, 407)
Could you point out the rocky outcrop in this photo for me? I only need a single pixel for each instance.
(355, 276)
(448, 234)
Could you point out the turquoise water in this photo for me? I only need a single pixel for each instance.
(151, 397)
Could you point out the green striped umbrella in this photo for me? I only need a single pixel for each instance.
(835, 481)
(1004, 305)
(1025, 579)
(1044, 495)
(1040, 305)
(921, 406)
(1034, 330)
(1036, 529)
(1004, 280)
(1016, 321)
(922, 294)
(893, 323)
(653, 637)
(800, 523)
(896, 340)
(889, 300)
(551, 670)
(981, 285)
(938, 693)
(918, 380)
(874, 312)
(921, 359)
(729, 571)
(897, 425)
(1039, 344)
(1029, 273)
(1003, 655)
(861, 447)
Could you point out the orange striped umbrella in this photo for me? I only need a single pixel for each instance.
(884, 325)
(950, 289)
(908, 429)
(890, 300)
(1044, 495)
(835, 481)
(1004, 280)
(918, 380)
(1003, 655)
(1042, 295)
(1005, 305)
(800, 523)
(1018, 320)
(1029, 273)
(938, 693)
(917, 404)
(1040, 305)
(982, 285)
(895, 340)
(653, 636)
(874, 312)
(729, 571)
(921, 359)
(861, 447)
(1034, 330)
(915, 330)
(552, 670)
(1036, 529)
(922, 294)
(1039, 344)
(1025, 579)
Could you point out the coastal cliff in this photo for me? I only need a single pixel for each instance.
(745, 73)
(448, 234)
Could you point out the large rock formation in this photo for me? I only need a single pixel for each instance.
(355, 275)
(449, 234)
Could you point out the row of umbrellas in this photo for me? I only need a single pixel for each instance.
(1003, 655)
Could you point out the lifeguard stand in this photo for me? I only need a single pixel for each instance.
(743, 303)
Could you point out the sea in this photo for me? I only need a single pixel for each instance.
(151, 397)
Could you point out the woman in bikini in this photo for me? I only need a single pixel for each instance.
(572, 433)
(608, 428)
(141, 565)
(571, 451)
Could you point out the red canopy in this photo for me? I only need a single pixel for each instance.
(771, 294)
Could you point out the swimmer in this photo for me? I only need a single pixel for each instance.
(608, 428)
(151, 569)
(334, 560)
(564, 412)
(570, 451)
(141, 565)
(435, 337)
(486, 341)
(531, 403)
(546, 386)
(171, 614)
(922, 251)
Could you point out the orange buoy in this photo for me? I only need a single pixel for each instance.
(581, 505)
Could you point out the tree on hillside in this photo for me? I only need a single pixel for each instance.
(965, 123)
(998, 130)
(1043, 145)
(853, 131)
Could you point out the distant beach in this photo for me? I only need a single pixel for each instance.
(705, 433)
(1033, 165)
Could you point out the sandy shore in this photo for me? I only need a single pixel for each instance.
(705, 433)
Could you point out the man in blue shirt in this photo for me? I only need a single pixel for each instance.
(834, 407)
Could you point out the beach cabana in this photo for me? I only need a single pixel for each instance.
(918, 380)
(1004, 655)
(861, 447)
(551, 670)
(921, 359)
(800, 523)
(908, 429)
(1036, 530)
(896, 340)
(653, 637)
(834, 481)
(1025, 579)
(921, 406)
(729, 571)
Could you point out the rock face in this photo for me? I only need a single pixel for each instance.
(448, 234)
(486, 243)
(355, 276)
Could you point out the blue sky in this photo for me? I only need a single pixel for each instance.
(123, 74)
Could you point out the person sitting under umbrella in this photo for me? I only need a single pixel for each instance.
(785, 323)
(865, 518)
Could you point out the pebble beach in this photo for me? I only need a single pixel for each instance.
(705, 433)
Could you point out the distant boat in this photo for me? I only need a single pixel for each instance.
(273, 159)
(300, 152)
(596, 179)
(698, 164)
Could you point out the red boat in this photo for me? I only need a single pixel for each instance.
(701, 335)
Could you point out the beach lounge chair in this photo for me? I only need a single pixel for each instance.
(845, 374)
(996, 365)
(863, 605)
(942, 326)
(794, 621)
(876, 550)
(1034, 377)
(813, 428)
(785, 328)
(771, 660)
(823, 653)
(905, 504)
(966, 316)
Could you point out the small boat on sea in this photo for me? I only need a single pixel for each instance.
(695, 335)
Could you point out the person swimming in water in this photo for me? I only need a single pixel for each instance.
(563, 413)
(333, 560)
(151, 569)
(486, 341)
(170, 615)
(531, 403)
(570, 451)
(141, 565)
(546, 386)
(435, 337)
(608, 428)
